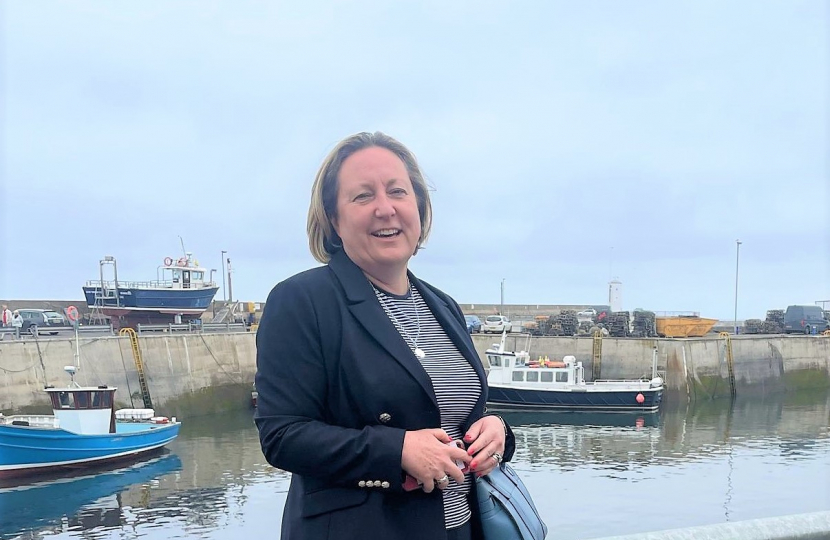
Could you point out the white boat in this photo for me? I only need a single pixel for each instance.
(515, 381)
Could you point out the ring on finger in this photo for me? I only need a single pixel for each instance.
(496, 457)
(443, 480)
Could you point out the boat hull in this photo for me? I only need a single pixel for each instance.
(172, 301)
(28, 450)
(577, 399)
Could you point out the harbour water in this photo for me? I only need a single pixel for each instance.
(591, 475)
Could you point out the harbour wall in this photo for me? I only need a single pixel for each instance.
(189, 374)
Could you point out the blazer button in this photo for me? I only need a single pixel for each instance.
(384, 485)
(385, 418)
(362, 483)
(377, 483)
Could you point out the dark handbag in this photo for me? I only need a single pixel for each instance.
(507, 511)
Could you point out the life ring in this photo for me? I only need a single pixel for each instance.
(72, 313)
(168, 261)
(182, 262)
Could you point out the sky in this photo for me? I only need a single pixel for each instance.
(565, 143)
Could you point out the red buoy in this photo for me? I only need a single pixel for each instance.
(640, 398)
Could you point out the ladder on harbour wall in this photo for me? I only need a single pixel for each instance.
(139, 366)
(596, 357)
(730, 361)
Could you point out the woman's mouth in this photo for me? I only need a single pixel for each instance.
(386, 233)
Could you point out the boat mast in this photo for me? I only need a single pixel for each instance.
(503, 338)
(654, 361)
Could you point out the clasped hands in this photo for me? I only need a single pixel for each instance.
(429, 459)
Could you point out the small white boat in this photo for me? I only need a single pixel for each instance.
(515, 381)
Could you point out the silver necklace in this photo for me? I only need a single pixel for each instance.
(419, 353)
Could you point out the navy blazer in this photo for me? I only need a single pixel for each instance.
(338, 388)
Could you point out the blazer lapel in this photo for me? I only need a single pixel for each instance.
(457, 334)
(363, 304)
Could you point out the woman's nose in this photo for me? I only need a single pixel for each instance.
(384, 207)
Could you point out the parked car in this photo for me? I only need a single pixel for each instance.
(473, 324)
(805, 320)
(35, 320)
(586, 315)
(496, 324)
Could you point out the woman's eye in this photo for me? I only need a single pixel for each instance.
(397, 191)
(362, 196)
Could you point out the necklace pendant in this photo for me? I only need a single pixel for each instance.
(419, 353)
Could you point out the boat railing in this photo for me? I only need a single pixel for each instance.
(31, 420)
(619, 381)
(156, 284)
(677, 314)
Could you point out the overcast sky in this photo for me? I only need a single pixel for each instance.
(566, 142)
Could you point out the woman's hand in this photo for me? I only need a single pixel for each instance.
(486, 438)
(427, 457)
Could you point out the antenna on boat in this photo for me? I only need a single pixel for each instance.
(503, 338)
(184, 251)
(71, 371)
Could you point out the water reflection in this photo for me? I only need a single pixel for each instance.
(223, 474)
(607, 473)
(83, 501)
(795, 426)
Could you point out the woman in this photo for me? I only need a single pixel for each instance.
(367, 378)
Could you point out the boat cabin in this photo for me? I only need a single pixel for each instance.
(84, 410)
(182, 274)
(516, 368)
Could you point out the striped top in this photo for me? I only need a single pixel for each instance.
(454, 380)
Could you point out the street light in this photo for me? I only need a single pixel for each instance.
(224, 294)
(502, 297)
(737, 260)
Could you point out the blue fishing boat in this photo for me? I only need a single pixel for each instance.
(516, 382)
(84, 429)
(182, 289)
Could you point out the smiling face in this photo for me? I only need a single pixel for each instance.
(377, 213)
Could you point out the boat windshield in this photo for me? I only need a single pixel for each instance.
(81, 399)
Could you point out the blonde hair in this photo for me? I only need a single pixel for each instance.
(323, 241)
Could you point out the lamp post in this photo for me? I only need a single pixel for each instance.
(737, 260)
(224, 294)
(501, 312)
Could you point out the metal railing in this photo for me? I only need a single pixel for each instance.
(141, 329)
(155, 284)
(144, 329)
(29, 333)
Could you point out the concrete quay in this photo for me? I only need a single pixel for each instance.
(193, 374)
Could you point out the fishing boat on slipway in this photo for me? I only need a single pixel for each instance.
(516, 382)
(85, 429)
(182, 290)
